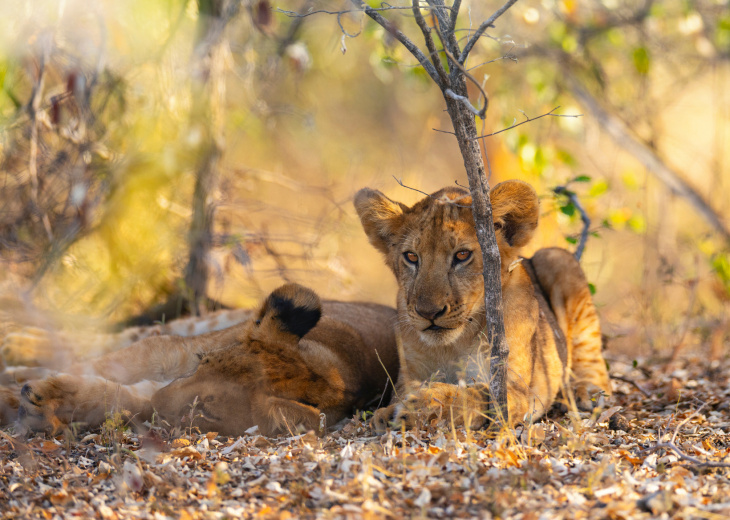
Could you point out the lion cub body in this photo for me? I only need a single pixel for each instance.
(433, 251)
(295, 359)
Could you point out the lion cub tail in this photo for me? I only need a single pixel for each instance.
(562, 279)
(292, 308)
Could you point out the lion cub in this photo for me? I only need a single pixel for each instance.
(294, 360)
(551, 324)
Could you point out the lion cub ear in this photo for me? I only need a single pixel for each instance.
(381, 218)
(515, 209)
(291, 309)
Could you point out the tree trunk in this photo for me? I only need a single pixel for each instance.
(466, 132)
(454, 82)
(207, 93)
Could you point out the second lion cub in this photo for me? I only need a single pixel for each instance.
(551, 324)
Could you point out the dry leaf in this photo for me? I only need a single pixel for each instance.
(179, 443)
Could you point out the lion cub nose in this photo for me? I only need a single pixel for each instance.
(430, 313)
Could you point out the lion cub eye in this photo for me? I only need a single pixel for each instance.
(462, 256)
(411, 257)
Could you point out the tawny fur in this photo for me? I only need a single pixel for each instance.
(441, 316)
(295, 359)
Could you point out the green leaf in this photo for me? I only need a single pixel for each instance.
(635, 363)
(571, 240)
(565, 157)
(592, 288)
(721, 265)
(599, 188)
(581, 178)
(636, 223)
(642, 60)
(568, 209)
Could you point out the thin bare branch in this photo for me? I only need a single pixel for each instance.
(426, 30)
(438, 9)
(528, 120)
(633, 383)
(683, 456)
(483, 27)
(398, 35)
(400, 183)
(453, 61)
(294, 14)
(454, 15)
(563, 190)
(623, 136)
(686, 420)
(507, 56)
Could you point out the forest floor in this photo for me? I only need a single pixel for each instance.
(671, 463)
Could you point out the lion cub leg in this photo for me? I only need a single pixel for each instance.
(444, 403)
(562, 278)
(156, 358)
(33, 346)
(285, 415)
(54, 402)
(8, 405)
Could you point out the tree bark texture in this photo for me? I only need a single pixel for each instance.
(462, 116)
(466, 130)
(205, 121)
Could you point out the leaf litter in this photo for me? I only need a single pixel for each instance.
(662, 452)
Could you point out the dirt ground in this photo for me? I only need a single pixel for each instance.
(659, 451)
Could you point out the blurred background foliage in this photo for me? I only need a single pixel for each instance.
(105, 129)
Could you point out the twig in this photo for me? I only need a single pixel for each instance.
(398, 35)
(623, 136)
(507, 56)
(689, 458)
(481, 112)
(426, 31)
(528, 120)
(686, 420)
(563, 190)
(483, 27)
(438, 9)
(634, 383)
(387, 7)
(400, 182)
(395, 391)
(344, 31)
(456, 6)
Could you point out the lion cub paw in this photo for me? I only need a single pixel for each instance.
(589, 396)
(49, 404)
(382, 418)
(441, 403)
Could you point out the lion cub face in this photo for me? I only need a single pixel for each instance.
(433, 251)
